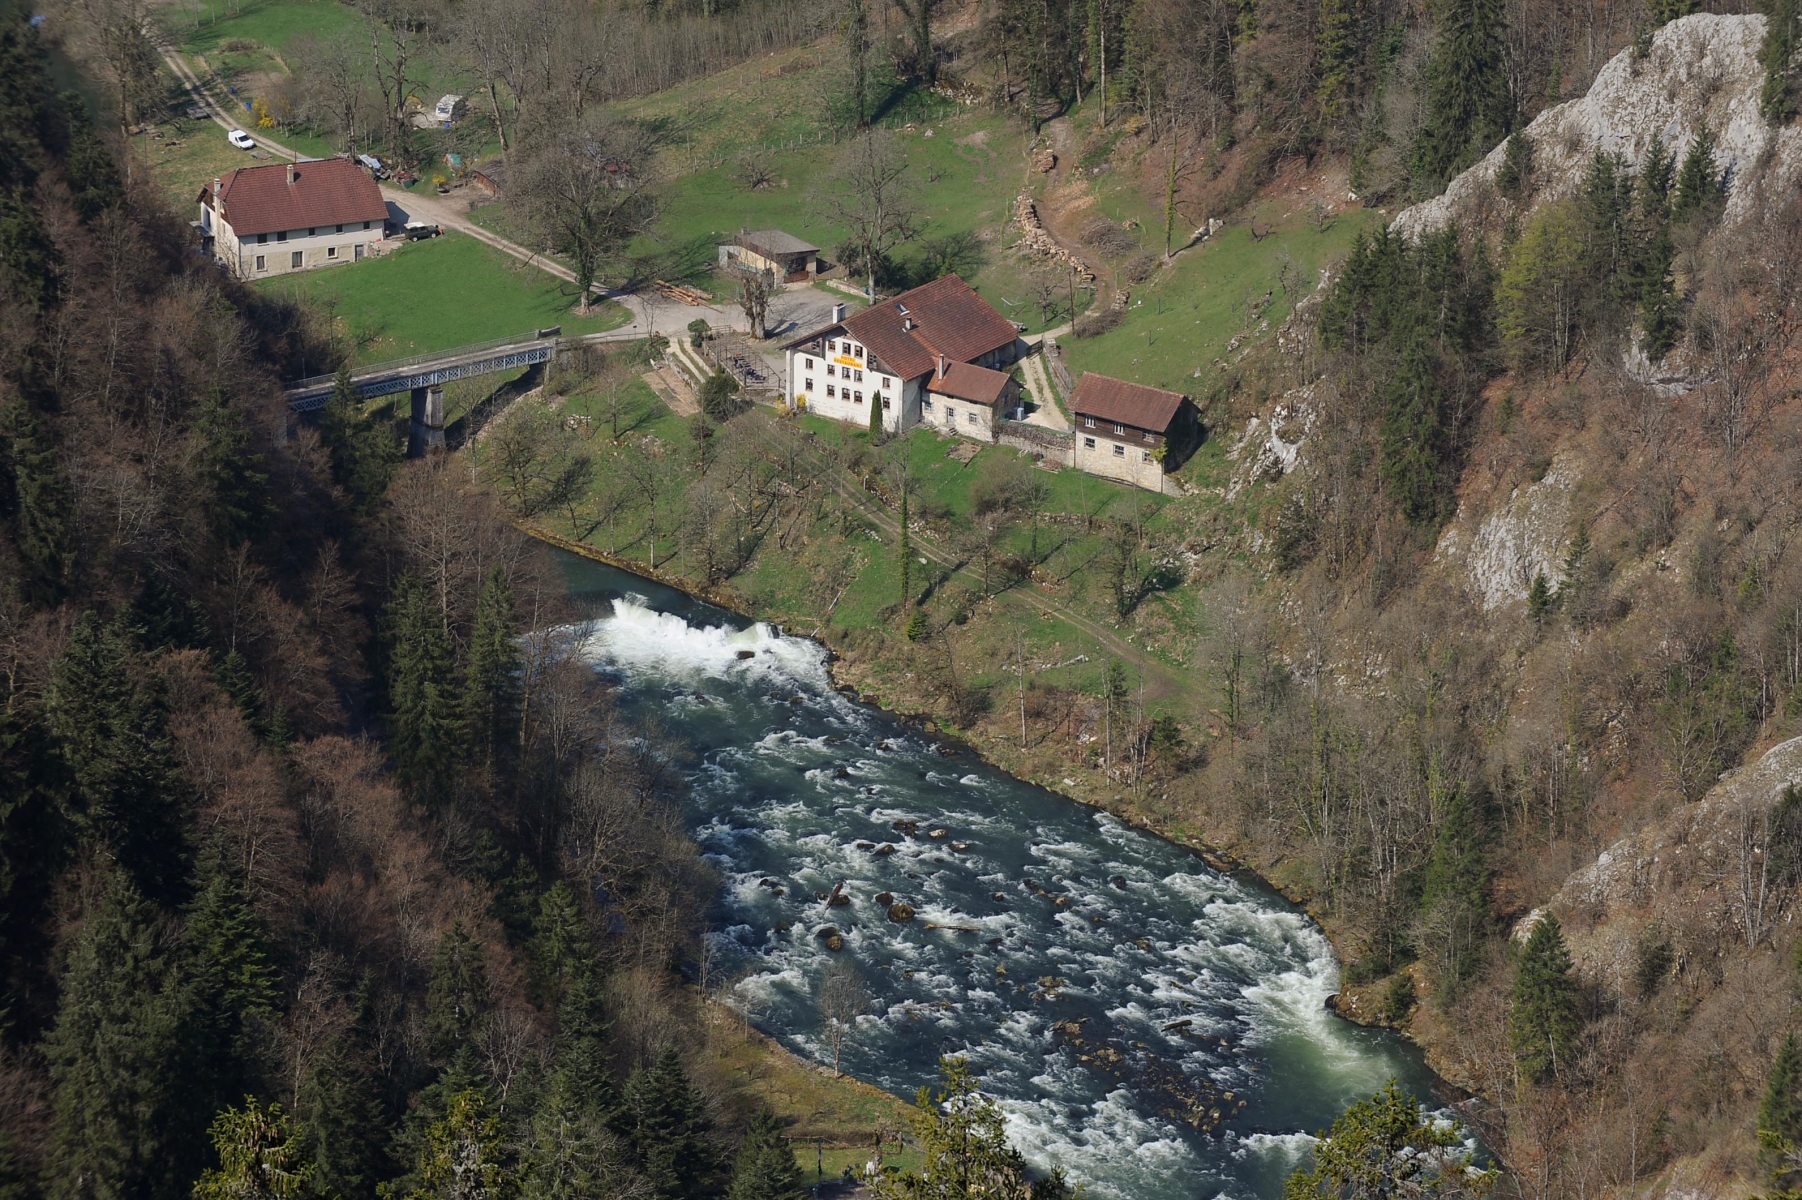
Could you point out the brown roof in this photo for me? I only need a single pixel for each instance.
(965, 381)
(946, 318)
(1125, 403)
(331, 191)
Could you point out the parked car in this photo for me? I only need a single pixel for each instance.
(421, 229)
(241, 140)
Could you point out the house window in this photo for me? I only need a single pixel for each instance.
(294, 260)
(262, 239)
(832, 347)
(810, 364)
(830, 391)
(925, 405)
(262, 263)
(1088, 422)
(1088, 443)
(831, 370)
(809, 386)
(859, 375)
(1119, 450)
(312, 229)
(859, 398)
(282, 236)
(885, 383)
(857, 351)
(1120, 430)
(1144, 456)
(339, 229)
(331, 252)
(366, 224)
(971, 416)
(887, 403)
(1150, 436)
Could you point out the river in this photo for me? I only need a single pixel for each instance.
(1156, 1027)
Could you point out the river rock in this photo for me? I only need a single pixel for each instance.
(938, 835)
(884, 850)
(901, 912)
(905, 827)
(885, 898)
(747, 654)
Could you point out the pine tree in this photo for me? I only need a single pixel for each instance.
(1467, 91)
(340, 1122)
(905, 553)
(1780, 54)
(110, 727)
(114, 1057)
(364, 454)
(1543, 1021)
(491, 677)
(569, 1151)
(260, 1157)
(88, 165)
(560, 947)
(34, 846)
(876, 407)
(669, 1129)
(424, 733)
(1385, 1147)
(457, 996)
(1698, 181)
(232, 483)
(1452, 889)
(34, 499)
(963, 1137)
(765, 1168)
(232, 988)
(1412, 436)
(462, 1158)
(1335, 56)
(1780, 1114)
(1515, 178)
(583, 1059)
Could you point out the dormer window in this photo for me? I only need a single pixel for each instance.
(902, 309)
(1088, 422)
(1119, 430)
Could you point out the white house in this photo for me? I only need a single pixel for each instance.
(936, 354)
(284, 217)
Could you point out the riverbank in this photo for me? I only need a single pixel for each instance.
(1084, 784)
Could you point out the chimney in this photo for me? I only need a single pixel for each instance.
(218, 200)
(838, 313)
(907, 324)
(290, 174)
(941, 366)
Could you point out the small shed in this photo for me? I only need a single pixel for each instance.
(491, 177)
(785, 256)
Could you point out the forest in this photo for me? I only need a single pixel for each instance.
(329, 867)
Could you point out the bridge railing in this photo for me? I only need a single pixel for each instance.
(398, 365)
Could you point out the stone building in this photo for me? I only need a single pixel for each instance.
(1130, 432)
(284, 217)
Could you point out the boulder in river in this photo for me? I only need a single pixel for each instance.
(885, 898)
(938, 835)
(747, 654)
(884, 850)
(906, 828)
(901, 912)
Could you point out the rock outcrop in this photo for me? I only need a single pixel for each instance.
(1700, 70)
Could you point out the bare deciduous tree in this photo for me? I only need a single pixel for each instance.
(587, 192)
(843, 998)
(871, 194)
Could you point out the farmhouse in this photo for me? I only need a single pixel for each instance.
(286, 217)
(786, 257)
(1131, 432)
(936, 354)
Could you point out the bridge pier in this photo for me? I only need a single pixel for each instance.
(426, 434)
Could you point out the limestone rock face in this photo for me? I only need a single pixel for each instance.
(1525, 535)
(1700, 70)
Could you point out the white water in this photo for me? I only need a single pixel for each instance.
(798, 785)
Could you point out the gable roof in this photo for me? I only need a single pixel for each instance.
(327, 191)
(966, 381)
(774, 241)
(946, 318)
(1134, 404)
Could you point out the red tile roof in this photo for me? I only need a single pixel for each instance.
(964, 381)
(909, 332)
(331, 191)
(1125, 403)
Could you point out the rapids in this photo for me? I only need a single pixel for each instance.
(1154, 1026)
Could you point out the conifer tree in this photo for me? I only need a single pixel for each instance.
(1412, 436)
(875, 419)
(364, 454)
(130, 797)
(340, 1121)
(463, 1154)
(1698, 180)
(232, 988)
(963, 1136)
(669, 1129)
(34, 499)
(117, 1125)
(1780, 54)
(1385, 1148)
(765, 1168)
(1543, 1021)
(905, 553)
(425, 732)
(88, 165)
(1452, 888)
(457, 996)
(491, 683)
(34, 845)
(1468, 108)
(1780, 1113)
(233, 484)
(583, 1058)
(560, 947)
(570, 1153)
(260, 1157)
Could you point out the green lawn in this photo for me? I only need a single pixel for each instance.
(433, 295)
(276, 24)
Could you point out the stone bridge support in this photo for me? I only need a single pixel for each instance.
(426, 434)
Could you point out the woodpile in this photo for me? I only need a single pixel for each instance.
(686, 295)
(1036, 240)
